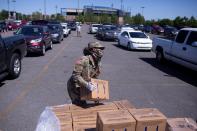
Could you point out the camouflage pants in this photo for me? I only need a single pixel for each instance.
(73, 91)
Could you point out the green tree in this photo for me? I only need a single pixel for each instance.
(192, 22)
(166, 22)
(114, 19)
(138, 19)
(3, 15)
(36, 15)
(60, 17)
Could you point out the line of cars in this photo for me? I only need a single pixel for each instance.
(34, 37)
(125, 35)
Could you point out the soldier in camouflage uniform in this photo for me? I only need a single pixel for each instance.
(87, 67)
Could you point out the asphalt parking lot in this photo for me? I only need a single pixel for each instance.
(133, 75)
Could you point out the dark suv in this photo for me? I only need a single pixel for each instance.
(38, 38)
(57, 33)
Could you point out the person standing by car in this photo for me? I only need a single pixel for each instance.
(87, 67)
(78, 30)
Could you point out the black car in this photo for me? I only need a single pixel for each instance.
(3, 26)
(12, 51)
(147, 29)
(38, 38)
(57, 33)
(170, 31)
(108, 32)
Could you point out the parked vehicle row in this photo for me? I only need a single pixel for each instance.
(35, 37)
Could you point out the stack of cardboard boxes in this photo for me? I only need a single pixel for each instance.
(115, 116)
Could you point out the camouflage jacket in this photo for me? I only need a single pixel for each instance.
(85, 68)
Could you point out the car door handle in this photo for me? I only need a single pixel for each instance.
(184, 48)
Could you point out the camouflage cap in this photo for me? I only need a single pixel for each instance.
(95, 45)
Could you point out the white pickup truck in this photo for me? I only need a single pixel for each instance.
(182, 50)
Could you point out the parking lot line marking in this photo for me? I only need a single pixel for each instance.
(27, 89)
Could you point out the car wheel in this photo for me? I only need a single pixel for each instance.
(128, 46)
(159, 56)
(51, 45)
(119, 43)
(15, 66)
(43, 50)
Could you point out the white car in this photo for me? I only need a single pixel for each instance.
(134, 40)
(93, 28)
(65, 30)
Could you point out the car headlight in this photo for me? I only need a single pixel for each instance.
(55, 35)
(36, 40)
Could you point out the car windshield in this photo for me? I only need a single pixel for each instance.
(53, 27)
(95, 25)
(35, 31)
(137, 35)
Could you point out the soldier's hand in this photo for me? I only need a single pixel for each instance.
(91, 87)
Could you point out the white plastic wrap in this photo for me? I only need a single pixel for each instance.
(48, 121)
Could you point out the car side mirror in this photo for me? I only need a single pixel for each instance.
(194, 44)
(126, 36)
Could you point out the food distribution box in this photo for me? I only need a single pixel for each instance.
(65, 121)
(124, 104)
(98, 107)
(119, 120)
(86, 115)
(101, 93)
(61, 109)
(181, 124)
(84, 126)
(149, 119)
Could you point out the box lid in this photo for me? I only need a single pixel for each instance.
(115, 117)
(147, 114)
(182, 123)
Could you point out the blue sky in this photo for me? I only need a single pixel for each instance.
(153, 9)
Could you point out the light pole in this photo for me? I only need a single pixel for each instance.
(56, 11)
(40, 13)
(142, 10)
(78, 8)
(14, 10)
(8, 9)
(44, 9)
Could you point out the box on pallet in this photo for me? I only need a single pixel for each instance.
(101, 93)
(149, 119)
(119, 120)
(84, 126)
(65, 121)
(181, 124)
(98, 107)
(123, 104)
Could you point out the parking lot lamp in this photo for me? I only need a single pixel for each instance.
(142, 10)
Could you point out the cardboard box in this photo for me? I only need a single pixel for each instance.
(98, 107)
(101, 93)
(181, 124)
(83, 116)
(149, 119)
(61, 109)
(120, 120)
(67, 127)
(84, 126)
(65, 121)
(123, 105)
